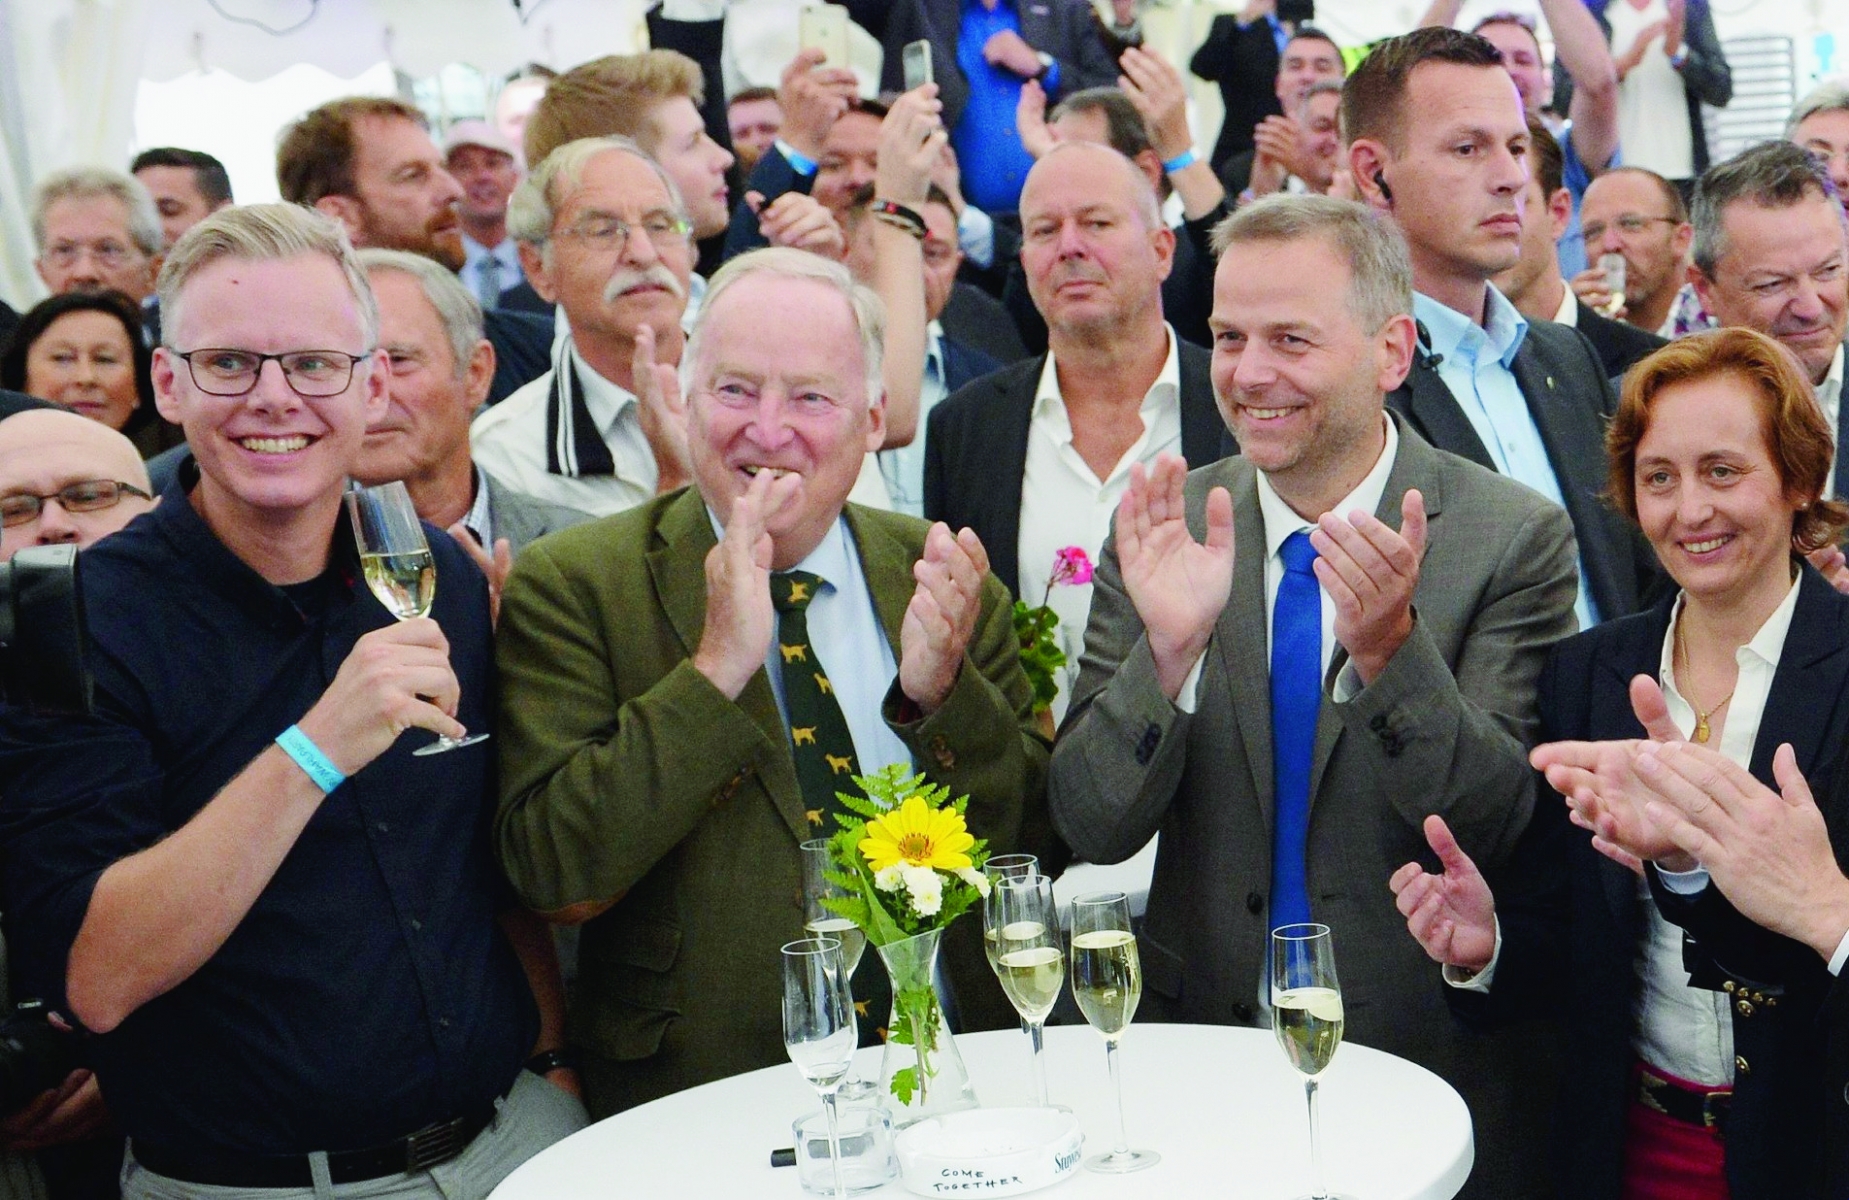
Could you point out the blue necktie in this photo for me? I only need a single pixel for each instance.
(1296, 696)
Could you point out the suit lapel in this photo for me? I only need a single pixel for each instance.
(1814, 664)
(887, 566)
(1431, 410)
(1241, 638)
(1001, 493)
(677, 567)
(1203, 430)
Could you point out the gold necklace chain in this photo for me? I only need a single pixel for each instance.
(1702, 730)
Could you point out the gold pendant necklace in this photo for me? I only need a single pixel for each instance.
(1702, 729)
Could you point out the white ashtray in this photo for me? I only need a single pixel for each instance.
(989, 1151)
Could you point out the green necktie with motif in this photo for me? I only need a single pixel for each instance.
(819, 738)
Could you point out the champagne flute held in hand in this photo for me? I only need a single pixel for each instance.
(398, 566)
(1107, 982)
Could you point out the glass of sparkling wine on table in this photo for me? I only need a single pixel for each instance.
(1029, 958)
(397, 564)
(818, 919)
(1306, 1015)
(999, 867)
(819, 1031)
(1107, 982)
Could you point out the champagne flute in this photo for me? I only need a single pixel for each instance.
(999, 867)
(1614, 267)
(1029, 959)
(818, 1028)
(1107, 981)
(1306, 1015)
(398, 566)
(821, 920)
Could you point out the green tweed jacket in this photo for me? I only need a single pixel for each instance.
(637, 798)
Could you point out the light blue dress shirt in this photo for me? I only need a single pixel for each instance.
(903, 468)
(507, 253)
(845, 632)
(1477, 364)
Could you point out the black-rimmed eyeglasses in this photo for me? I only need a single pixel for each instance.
(89, 495)
(310, 373)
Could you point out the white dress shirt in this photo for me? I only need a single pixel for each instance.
(1568, 312)
(1830, 400)
(1477, 364)
(1064, 503)
(1280, 521)
(509, 442)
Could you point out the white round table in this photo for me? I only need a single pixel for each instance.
(1219, 1104)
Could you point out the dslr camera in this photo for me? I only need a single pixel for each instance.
(42, 632)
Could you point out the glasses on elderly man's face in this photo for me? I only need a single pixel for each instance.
(89, 495)
(608, 234)
(311, 374)
(1630, 225)
(108, 252)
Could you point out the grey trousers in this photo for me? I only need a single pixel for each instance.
(533, 1117)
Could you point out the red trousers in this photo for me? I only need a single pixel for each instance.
(1670, 1159)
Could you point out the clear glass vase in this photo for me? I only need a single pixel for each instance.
(921, 1070)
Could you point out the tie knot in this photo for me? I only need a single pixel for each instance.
(793, 590)
(1298, 554)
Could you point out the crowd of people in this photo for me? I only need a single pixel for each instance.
(1460, 452)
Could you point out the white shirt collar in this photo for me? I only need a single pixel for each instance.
(1050, 405)
(1830, 391)
(1281, 520)
(607, 401)
(1568, 312)
(479, 520)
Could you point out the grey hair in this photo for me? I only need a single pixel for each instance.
(82, 183)
(1775, 174)
(455, 305)
(1322, 87)
(785, 262)
(263, 233)
(535, 203)
(1142, 194)
(1832, 95)
(1379, 265)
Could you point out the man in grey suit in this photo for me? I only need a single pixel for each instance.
(1287, 718)
(441, 368)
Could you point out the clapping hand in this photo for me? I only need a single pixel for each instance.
(1371, 571)
(1178, 585)
(663, 413)
(1030, 120)
(740, 620)
(1160, 94)
(799, 220)
(495, 567)
(942, 615)
(912, 140)
(1452, 915)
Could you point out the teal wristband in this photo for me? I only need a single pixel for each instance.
(1181, 162)
(799, 162)
(298, 746)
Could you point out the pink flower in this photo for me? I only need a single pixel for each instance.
(1071, 565)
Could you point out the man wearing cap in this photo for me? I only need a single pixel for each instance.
(487, 166)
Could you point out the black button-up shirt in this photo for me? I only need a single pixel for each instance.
(369, 990)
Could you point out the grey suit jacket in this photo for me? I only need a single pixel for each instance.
(1444, 729)
(520, 518)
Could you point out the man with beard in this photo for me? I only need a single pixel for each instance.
(369, 163)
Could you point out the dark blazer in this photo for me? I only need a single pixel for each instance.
(523, 298)
(980, 321)
(522, 349)
(976, 451)
(1065, 29)
(704, 43)
(1619, 345)
(772, 177)
(9, 319)
(1570, 398)
(1706, 77)
(1571, 918)
(964, 364)
(1244, 62)
(18, 402)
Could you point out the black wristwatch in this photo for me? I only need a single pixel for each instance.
(548, 1061)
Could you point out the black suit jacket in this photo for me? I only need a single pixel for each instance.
(979, 320)
(522, 349)
(18, 402)
(1619, 345)
(976, 451)
(1571, 920)
(523, 298)
(9, 320)
(1066, 29)
(1570, 398)
(1244, 62)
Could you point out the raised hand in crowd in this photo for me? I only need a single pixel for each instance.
(740, 620)
(1178, 585)
(494, 567)
(1160, 94)
(1278, 153)
(941, 616)
(813, 97)
(1010, 51)
(1768, 852)
(1628, 61)
(1452, 915)
(663, 411)
(799, 220)
(1832, 565)
(1030, 120)
(1370, 571)
(911, 147)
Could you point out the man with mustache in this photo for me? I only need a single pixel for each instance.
(369, 163)
(1438, 140)
(604, 235)
(1768, 255)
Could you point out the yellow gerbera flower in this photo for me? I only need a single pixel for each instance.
(917, 835)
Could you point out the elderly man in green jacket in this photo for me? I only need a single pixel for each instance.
(687, 683)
